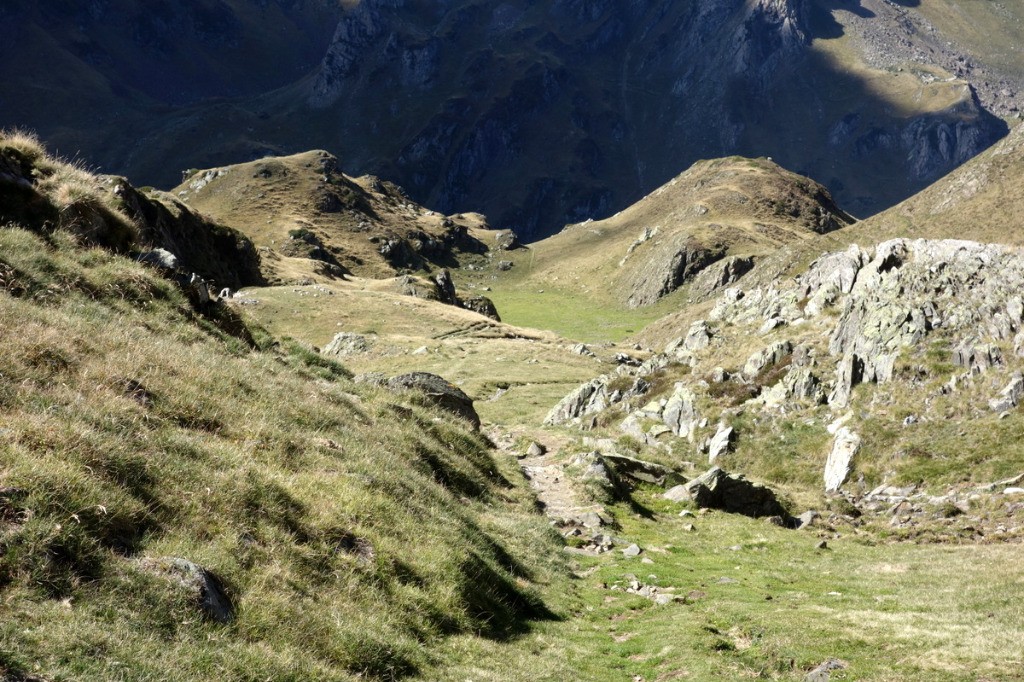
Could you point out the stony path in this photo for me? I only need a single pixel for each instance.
(563, 503)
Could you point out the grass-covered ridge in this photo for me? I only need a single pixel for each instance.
(350, 532)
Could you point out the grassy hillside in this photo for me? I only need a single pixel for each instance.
(592, 272)
(311, 220)
(350, 528)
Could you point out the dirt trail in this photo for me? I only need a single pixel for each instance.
(563, 501)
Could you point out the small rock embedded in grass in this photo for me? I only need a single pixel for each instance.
(823, 672)
(821, 545)
(632, 551)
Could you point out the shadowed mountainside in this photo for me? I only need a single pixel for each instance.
(537, 114)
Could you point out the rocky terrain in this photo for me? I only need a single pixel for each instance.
(346, 466)
(536, 114)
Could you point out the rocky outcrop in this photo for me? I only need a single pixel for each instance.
(590, 398)
(666, 268)
(733, 493)
(767, 358)
(215, 252)
(1010, 396)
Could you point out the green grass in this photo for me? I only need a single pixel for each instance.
(135, 428)
(570, 315)
(889, 611)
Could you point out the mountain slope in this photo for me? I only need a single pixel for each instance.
(702, 231)
(537, 114)
(182, 496)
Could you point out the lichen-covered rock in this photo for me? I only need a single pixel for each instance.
(589, 398)
(769, 357)
(680, 412)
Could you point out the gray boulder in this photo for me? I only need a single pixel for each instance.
(161, 258)
(733, 493)
(721, 443)
(1010, 396)
(845, 447)
(346, 343)
(680, 412)
(438, 391)
(589, 398)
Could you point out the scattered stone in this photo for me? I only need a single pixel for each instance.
(505, 265)
(821, 545)
(807, 519)
(536, 450)
(582, 349)
(632, 551)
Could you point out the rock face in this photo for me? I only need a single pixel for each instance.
(716, 489)
(438, 391)
(666, 269)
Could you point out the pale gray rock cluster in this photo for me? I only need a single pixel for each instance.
(901, 313)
